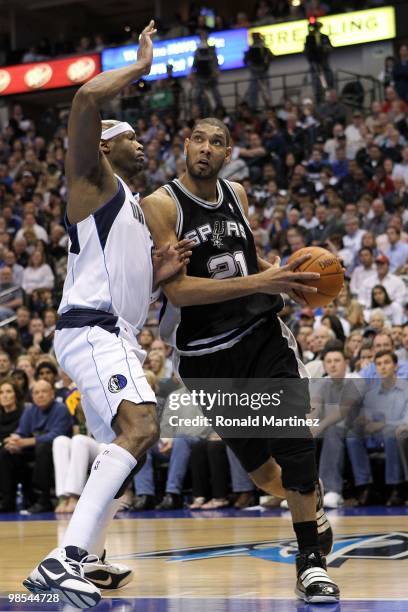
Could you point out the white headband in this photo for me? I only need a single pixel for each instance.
(117, 129)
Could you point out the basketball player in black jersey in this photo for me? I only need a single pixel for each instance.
(220, 314)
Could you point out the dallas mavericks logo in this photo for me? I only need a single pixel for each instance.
(218, 233)
(117, 383)
(392, 546)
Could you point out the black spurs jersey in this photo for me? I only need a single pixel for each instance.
(224, 248)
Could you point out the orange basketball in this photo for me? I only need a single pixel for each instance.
(331, 275)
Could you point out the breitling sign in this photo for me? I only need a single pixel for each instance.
(344, 30)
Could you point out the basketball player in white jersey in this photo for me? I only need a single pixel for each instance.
(107, 293)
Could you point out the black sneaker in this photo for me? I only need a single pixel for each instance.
(324, 529)
(143, 502)
(313, 582)
(171, 501)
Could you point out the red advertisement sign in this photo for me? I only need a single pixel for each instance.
(52, 74)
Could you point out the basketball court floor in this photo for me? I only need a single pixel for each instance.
(222, 561)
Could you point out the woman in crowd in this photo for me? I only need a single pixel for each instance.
(334, 323)
(38, 274)
(26, 363)
(11, 409)
(353, 345)
(380, 300)
(21, 384)
(146, 338)
(157, 362)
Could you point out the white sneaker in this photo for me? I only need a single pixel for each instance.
(107, 575)
(60, 574)
(332, 500)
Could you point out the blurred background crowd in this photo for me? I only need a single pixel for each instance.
(183, 23)
(317, 171)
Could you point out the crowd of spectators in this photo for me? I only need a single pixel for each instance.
(199, 18)
(314, 175)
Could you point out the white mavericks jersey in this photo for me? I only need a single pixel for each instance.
(110, 262)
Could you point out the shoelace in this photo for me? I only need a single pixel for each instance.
(78, 566)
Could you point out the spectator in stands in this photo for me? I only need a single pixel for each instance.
(400, 73)
(333, 322)
(394, 285)
(205, 71)
(386, 75)
(332, 112)
(321, 336)
(22, 325)
(331, 396)
(20, 381)
(40, 423)
(401, 169)
(379, 219)
(353, 236)
(145, 338)
(11, 295)
(402, 353)
(210, 474)
(257, 59)
(46, 370)
(383, 342)
(72, 458)
(363, 271)
(38, 274)
(25, 363)
(384, 408)
(30, 227)
(317, 50)
(11, 409)
(6, 366)
(381, 300)
(397, 252)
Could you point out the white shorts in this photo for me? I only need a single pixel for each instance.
(107, 368)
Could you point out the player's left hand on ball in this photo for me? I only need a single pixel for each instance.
(296, 297)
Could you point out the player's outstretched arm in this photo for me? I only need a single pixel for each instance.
(183, 290)
(84, 128)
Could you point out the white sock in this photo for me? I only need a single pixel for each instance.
(108, 473)
(97, 547)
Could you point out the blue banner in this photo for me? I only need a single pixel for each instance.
(230, 45)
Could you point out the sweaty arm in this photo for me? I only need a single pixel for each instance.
(90, 177)
(183, 290)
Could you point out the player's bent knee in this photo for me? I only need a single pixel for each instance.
(138, 424)
(266, 475)
(299, 469)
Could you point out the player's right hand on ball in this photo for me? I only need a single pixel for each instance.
(286, 279)
(145, 50)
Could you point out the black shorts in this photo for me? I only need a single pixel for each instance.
(262, 354)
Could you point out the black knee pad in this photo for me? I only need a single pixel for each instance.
(297, 458)
(140, 463)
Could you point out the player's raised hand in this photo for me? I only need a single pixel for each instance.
(145, 50)
(287, 279)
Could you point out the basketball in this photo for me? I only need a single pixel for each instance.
(331, 275)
